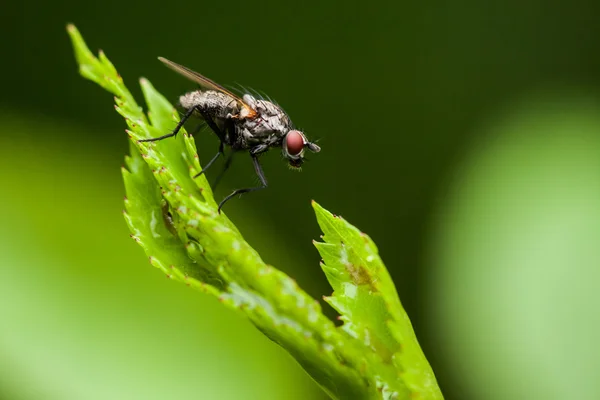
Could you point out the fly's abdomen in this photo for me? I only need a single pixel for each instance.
(215, 104)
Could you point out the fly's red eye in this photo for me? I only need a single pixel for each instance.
(294, 142)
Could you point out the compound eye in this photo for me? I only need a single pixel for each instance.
(294, 142)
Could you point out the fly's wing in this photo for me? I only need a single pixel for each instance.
(209, 84)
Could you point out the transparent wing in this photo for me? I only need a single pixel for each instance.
(208, 84)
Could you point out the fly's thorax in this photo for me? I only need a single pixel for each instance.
(267, 108)
(264, 126)
(217, 104)
(271, 122)
(247, 139)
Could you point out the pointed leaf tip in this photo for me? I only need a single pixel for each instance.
(316, 206)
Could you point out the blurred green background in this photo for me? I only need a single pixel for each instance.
(464, 137)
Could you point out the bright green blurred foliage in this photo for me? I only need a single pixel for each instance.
(83, 314)
(516, 278)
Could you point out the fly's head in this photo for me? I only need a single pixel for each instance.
(293, 145)
(273, 119)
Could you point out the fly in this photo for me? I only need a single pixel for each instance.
(241, 123)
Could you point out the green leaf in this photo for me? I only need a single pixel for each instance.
(174, 218)
(366, 299)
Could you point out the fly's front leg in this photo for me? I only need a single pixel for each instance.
(258, 149)
(254, 153)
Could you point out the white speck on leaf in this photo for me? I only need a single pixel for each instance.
(350, 290)
(344, 256)
(153, 223)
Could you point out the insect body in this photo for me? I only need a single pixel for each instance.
(245, 123)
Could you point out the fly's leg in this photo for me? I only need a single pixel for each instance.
(187, 115)
(254, 153)
(231, 129)
(211, 123)
(225, 168)
(212, 160)
(196, 129)
(183, 120)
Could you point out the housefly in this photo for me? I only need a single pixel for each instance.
(242, 123)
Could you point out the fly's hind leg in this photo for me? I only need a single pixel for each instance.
(209, 121)
(186, 116)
